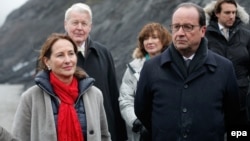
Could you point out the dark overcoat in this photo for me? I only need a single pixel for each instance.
(99, 64)
(192, 108)
(236, 48)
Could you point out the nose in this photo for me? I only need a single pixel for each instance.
(67, 58)
(148, 40)
(79, 26)
(232, 15)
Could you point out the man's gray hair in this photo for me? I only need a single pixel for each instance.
(78, 7)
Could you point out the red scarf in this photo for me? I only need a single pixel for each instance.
(69, 128)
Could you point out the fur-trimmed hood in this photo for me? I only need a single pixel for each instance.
(241, 12)
(137, 53)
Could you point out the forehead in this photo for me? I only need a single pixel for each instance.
(62, 44)
(77, 15)
(228, 7)
(150, 33)
(185, 15)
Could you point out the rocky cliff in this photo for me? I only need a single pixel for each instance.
(116, 24)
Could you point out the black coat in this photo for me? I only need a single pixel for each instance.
(193, 106)
(99, 64)
(236, 49)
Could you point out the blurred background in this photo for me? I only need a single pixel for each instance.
(116, 23)
(7, 7)
(25, 24)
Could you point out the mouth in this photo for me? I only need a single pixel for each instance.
(67, 68)
(79, 35)
(181, 41)
(150, 47)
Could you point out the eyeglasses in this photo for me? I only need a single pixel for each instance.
(185, 27)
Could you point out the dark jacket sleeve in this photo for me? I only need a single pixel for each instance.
(143, 98)
(114, 91)
(121, 131)
(231, 102)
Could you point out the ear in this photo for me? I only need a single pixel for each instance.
(90, 27)
(203, 30)
(46, 61)
(217, 14)
(65, 25)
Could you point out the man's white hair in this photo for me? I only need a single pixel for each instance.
(78, 7)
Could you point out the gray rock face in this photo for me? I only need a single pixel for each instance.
(116, 24)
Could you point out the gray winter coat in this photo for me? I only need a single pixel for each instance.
(5, 135)
(34, 119)
(127, 94)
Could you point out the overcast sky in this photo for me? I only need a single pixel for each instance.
(7, 6)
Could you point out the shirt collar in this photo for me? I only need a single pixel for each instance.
(188, 58)
(221, 26)
(83, 45)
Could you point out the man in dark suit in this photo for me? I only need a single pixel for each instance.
(194, 101)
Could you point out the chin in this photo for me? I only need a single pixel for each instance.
(78, 40)
(180, 47)
(68, 74)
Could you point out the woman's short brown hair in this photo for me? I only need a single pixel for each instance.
(147, 31)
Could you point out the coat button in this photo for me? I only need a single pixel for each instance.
(91, 132)
(185, 135)
(184, 110)
(186, 86)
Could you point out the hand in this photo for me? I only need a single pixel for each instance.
(137, 126)
(144, 134)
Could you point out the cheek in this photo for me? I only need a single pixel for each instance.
(159, 44)
(88, 29)
(68, 28)
(174, 37)
(70, 33)
(55, 64)
(74, 59)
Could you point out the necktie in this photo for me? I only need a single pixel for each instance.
(187, 62)
(225, 33)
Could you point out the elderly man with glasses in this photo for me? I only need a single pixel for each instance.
(194, 102)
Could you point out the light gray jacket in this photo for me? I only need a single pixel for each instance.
(127, 95)
(5, 135)
(34, 119)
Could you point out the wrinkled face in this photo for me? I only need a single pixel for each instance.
(186, 31)
(62, 60)
(153, 45)
(227, 15)
(78, 26)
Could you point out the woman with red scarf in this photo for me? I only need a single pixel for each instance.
(63, 105)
